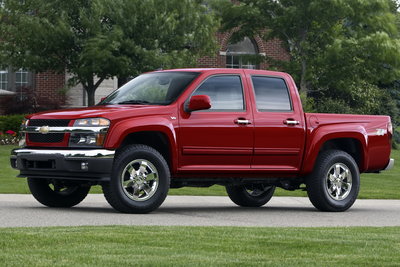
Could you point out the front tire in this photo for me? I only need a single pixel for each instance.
(335, 182)
(57, 193)
(251, 195)
(139, 181)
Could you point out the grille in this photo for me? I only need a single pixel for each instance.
(54, 123)
(47, 138)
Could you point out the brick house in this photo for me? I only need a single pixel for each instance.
(230, 55)
(46, 86)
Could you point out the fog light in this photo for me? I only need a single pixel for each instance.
(86, 140)
(22, 142)
(84, 166)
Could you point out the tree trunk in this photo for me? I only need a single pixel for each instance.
(90, 93)
(303, 78)
(90, 88)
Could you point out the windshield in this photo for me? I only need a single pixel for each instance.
(157, 88)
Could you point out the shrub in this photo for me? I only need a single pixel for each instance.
(9, 138)
(10, 123)
(9, 129)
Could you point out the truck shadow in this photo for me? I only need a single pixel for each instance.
(177, 210)
(222, 209)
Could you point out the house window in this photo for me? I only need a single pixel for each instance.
(21, 78)
(242, 55)
(3, 79)
(12, 80)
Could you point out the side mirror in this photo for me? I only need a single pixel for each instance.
(101, 100)
(198, 102)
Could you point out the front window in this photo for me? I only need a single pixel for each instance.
(157, 88)
(242, 55)
(225, 92)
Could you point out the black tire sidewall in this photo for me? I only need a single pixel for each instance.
(240, 196)
(322, 200)
(42, 192)
(350, 199)
(139, 152)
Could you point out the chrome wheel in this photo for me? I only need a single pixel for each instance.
(140, 180)
(338, 181)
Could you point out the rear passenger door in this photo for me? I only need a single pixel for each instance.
(220, 138)
(279, 124)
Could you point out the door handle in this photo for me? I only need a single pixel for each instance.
(242, 121)
(291, 122)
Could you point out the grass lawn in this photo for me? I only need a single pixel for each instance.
(8, 182)
(380, 186)
(199, 246)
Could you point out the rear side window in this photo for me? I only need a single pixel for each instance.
(225, 92)
(271, 94)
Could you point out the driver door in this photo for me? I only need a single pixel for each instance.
(220, 138)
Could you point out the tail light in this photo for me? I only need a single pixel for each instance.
(390, 128)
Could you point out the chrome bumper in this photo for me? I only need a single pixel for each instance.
(390, 165)
(67, 154)
(93, 164)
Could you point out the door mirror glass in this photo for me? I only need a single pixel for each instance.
(199, 102)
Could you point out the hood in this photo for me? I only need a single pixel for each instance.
(111, 112)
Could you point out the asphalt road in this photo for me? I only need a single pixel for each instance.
(23, 210)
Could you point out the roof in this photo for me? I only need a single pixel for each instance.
(5, 92)
(223, 70)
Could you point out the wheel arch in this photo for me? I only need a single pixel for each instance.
(155, 139)
(352, 143)
(351, 146)
(157, 133)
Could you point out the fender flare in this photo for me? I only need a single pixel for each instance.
(120, 130)
(324, 134)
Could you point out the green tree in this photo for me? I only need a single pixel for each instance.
(97, 39)
(332, 43)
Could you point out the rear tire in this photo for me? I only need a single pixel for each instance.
(335, 182)
(139, 182)
(250, 195)
(57, 194)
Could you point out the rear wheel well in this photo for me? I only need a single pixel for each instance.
(157, 140)
(350, 145)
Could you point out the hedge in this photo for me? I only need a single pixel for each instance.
(11, 122)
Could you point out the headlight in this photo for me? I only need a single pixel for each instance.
(92, 122)
(95, 139)
(22, 134)
(24, 123)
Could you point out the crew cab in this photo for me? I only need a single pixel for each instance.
(243, 129)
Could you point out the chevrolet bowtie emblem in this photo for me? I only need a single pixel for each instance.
(44, 129)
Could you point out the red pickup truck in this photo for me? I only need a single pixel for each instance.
(243, 129)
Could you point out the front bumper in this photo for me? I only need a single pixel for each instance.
(390, 165)
(68, 164)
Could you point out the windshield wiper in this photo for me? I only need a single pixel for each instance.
(140, 102)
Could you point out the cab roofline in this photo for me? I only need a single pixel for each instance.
(204, 70)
